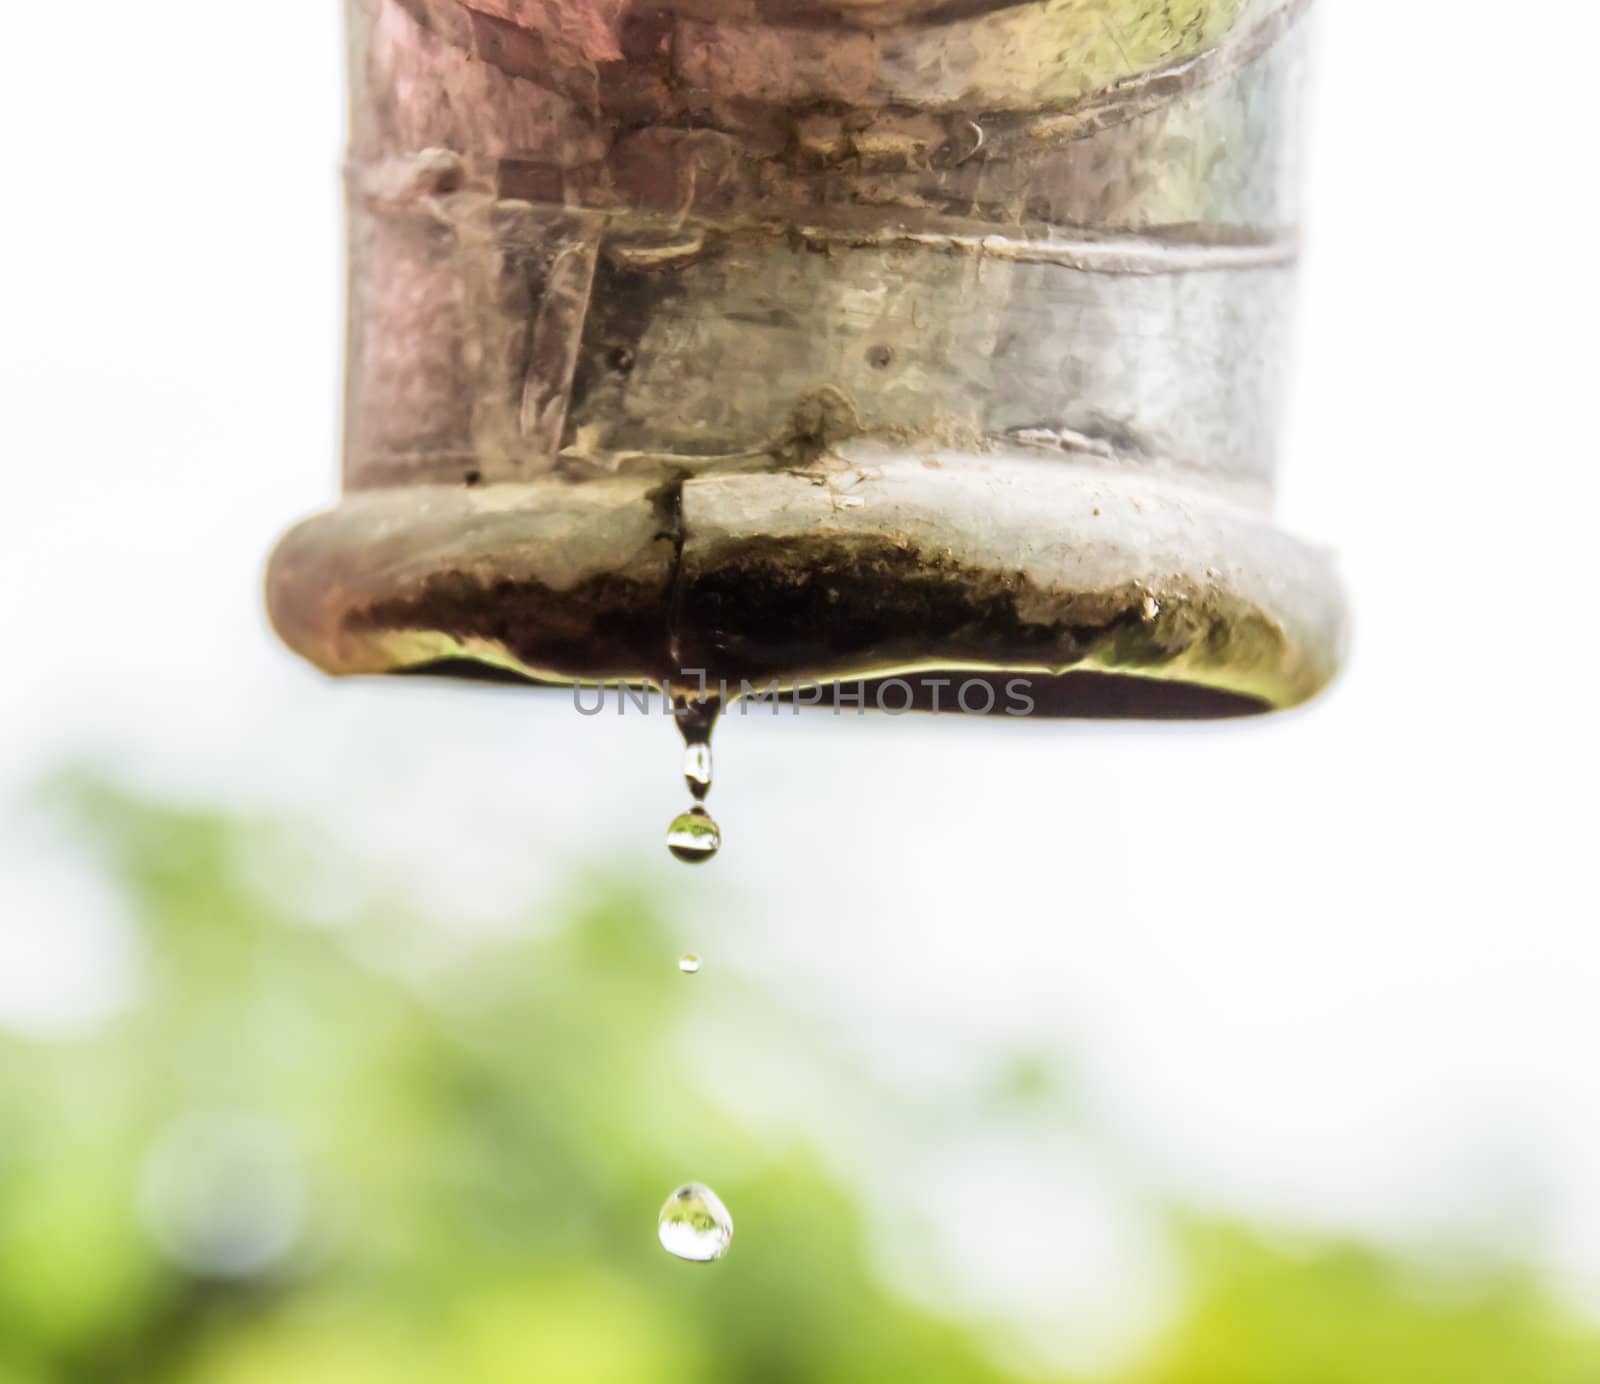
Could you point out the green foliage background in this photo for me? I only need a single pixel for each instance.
(484, 1141)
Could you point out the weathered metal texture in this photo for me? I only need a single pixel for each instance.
(818, 340)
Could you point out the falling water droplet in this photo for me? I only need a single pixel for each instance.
(697, 769)
(689, 963)
(693, 836)
(695, 1225)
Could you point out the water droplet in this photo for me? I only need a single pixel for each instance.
(697, 769)
(689, 963)
(693, 836)
(696, 718)
(695, 1225)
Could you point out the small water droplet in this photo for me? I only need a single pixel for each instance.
(695, 1225)
(689, 963)
(697, 769)
(693, 836)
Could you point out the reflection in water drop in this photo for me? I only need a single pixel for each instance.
(689, 963)
(693, 836)
(697, 768)
(696, 718)
(695, 1225)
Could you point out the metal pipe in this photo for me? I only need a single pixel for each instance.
(819, 340)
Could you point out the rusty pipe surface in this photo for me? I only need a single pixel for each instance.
(819, 340)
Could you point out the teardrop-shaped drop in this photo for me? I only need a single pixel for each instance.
(695, 1225)
(697, 768)
(696, 718)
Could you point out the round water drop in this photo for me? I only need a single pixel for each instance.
(697, 768)
(695, 1225)
(693, 836)
(689, 963)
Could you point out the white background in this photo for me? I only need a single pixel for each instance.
(1338, 967)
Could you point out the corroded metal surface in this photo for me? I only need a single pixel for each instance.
(817, 340)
